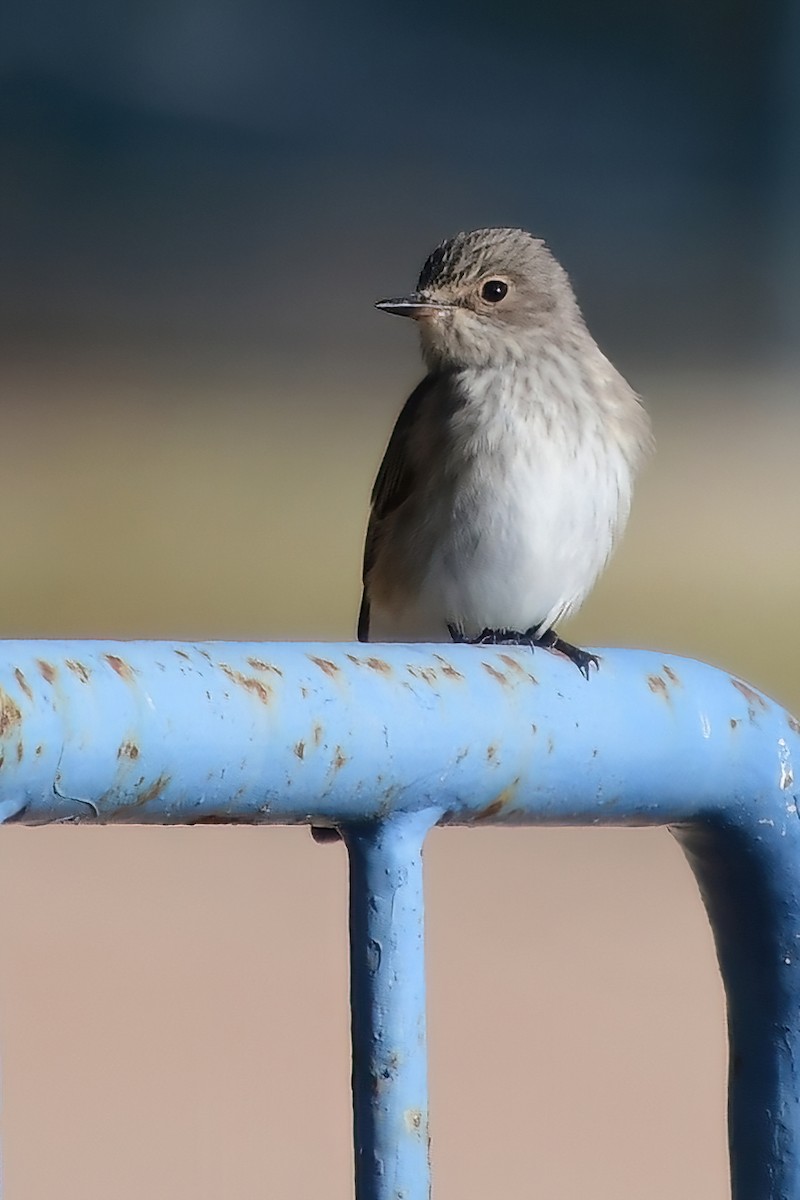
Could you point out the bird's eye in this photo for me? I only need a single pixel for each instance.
(494, 290)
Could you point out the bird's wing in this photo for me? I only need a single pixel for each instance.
(392, 486)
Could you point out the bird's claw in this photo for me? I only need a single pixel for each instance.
(549, 640)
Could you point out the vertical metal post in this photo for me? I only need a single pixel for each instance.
(751, 889)
(387, 985)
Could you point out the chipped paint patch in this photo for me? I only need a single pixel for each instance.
(23, 683)
(83, 673)
(47, 671)
(658, 686)
(325, 665)
(250, 684)
(414, 1121)
(258, 664)
(10, 714)
(339, 758)
(128, 749)
(755, 701)
(426, 674)
(785, 760)
(118, 665)
(447, 668)
(501, 801)
(705, 726)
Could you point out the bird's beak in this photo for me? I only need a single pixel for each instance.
(415, 306)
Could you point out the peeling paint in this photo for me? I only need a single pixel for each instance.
(23, 683)
(447, 669)
(258, 664)
(121, 668)
(785, 760)
(658, 686)
(47, 671)
(10, 715)
(77, 668)
(250, 684)
(325, 665)
(495, 674)
(756, 703)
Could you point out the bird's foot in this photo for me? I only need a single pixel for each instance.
(582, 658)
(495, 637)
(531, 637)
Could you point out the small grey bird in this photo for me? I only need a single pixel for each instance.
(507, 480)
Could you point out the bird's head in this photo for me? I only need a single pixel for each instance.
(485, 298)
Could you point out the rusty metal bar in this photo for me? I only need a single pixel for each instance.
(384, 741)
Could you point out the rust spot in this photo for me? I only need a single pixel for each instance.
(122, 668)
(534, 728)
(750, 694)
(205, 654)
(414, 1120)
(153, 792)
(258, 664)
(735, 723)
(183, 654)
(428, 674)
(374, 664)
(300, 750)
(495, 674)
(259, 689)
(46, 670)
(128, 750)
(2, 759)
(657, 685)
(513, 665)
(670, 674)
(324, 664)
(447, 668)
(10, 715)
(304, 692)
(793, 723)
(491, 753)
(20, 752)
(499, 803)
(316, 734)
(39, 750)
(755, 700)
(339, 758)
(78, 669)
(23, 683)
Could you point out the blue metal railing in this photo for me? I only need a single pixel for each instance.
(386, 741)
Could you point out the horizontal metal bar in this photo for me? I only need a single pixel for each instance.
(178, 733)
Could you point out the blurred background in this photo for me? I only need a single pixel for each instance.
(200, 202)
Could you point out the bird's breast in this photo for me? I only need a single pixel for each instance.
(535, 493)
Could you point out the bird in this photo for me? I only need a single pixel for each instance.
(507, 480)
